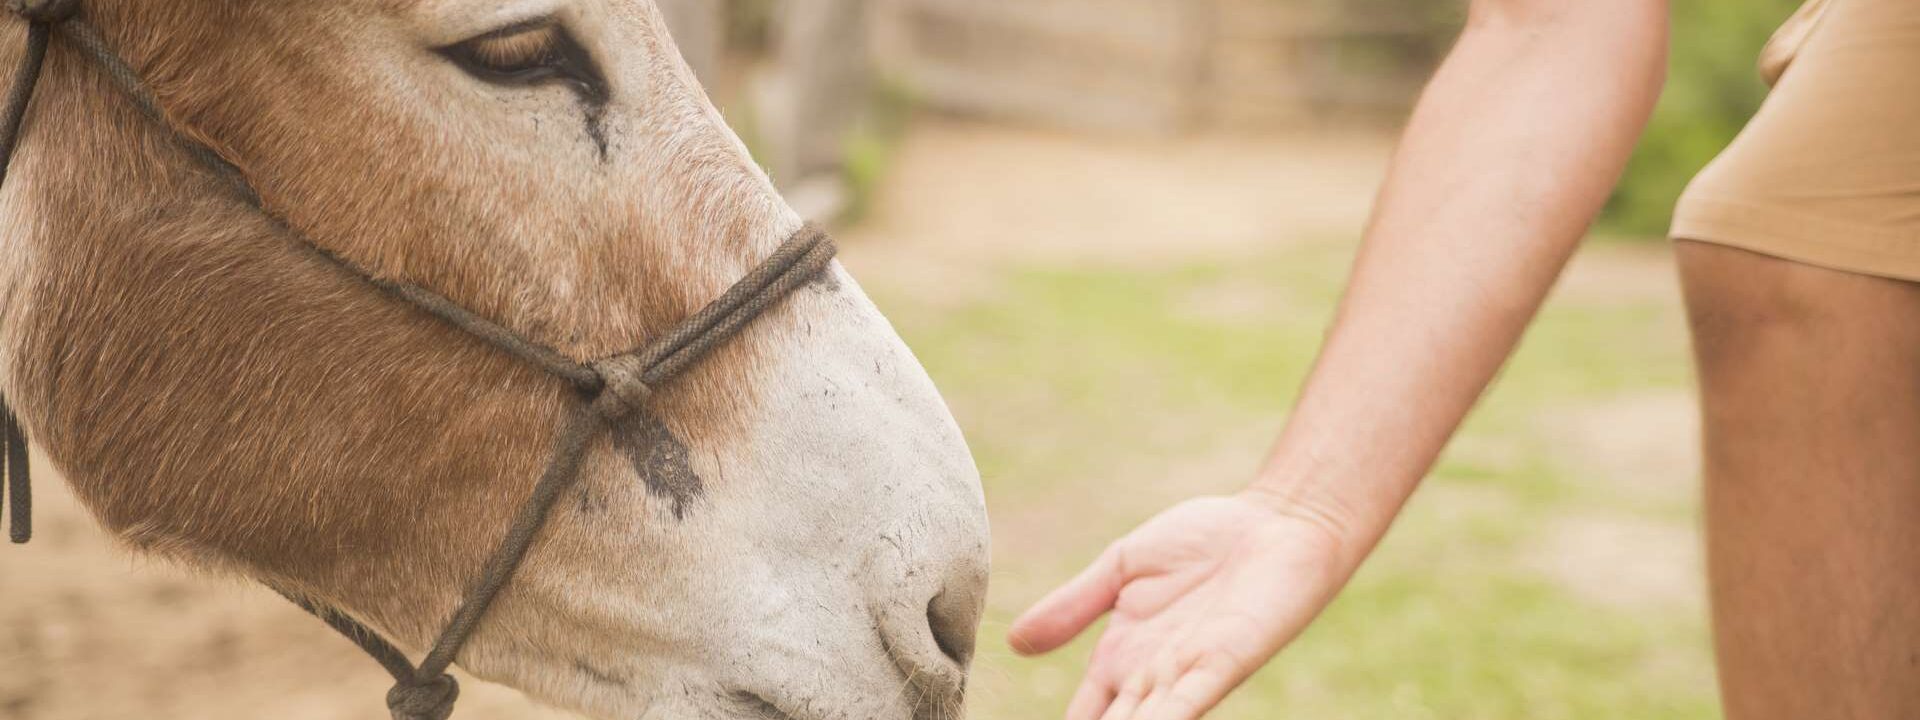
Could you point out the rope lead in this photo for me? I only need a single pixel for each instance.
(42, 16)
(19, 485)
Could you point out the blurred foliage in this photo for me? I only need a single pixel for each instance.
(1713, 86)
(749, 25)
(871, 145)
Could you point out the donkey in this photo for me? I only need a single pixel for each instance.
(793, 529)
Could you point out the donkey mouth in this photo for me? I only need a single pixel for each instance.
(752, 705)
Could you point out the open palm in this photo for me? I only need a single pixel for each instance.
(1201, 597)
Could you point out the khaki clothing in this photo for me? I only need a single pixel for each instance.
(1828, 172)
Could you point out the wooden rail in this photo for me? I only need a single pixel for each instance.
(1158, 65)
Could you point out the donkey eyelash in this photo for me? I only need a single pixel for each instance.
(518, 52)
(526, 54)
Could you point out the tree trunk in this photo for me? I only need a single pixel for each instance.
(824, 65)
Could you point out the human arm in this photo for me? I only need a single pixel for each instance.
(1509, 155)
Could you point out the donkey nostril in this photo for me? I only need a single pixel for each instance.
(952, 620)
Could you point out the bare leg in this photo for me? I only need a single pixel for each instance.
(1810, 382)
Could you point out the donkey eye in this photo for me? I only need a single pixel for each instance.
(517, 55)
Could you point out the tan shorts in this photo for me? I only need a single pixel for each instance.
(1828, 172)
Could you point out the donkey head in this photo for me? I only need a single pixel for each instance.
(793, 530)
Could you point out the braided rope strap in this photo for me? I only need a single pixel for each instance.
(51, 12)
(616, 387)
(624, 385)
(41, 17)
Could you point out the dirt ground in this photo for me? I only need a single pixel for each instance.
(977, 219)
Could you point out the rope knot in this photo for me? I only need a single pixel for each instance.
(623, 387)
(45, 11)
(430, 700)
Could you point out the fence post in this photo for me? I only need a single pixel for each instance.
(819, 92)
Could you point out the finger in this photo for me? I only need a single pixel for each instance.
(1127, 702)
(1091, 700)
(1195, 693)
(1165, 670)
(1065, 612)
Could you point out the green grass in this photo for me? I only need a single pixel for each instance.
(1095, 396)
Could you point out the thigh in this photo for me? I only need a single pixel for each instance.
(1810, 384)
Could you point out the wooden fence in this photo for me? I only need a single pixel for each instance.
(1161, 65)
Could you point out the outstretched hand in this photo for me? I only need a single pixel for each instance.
(1201, 597)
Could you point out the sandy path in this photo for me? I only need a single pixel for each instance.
(91, 632)
(963, 200)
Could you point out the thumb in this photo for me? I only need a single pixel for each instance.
(1065, 612)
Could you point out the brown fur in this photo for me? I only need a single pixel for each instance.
(214, 391)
